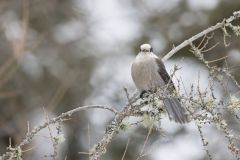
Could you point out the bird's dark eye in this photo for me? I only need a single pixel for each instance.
(151, 49)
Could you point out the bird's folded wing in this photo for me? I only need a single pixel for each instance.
(165, 76)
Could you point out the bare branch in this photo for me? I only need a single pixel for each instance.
(187, 42)
(60, 118)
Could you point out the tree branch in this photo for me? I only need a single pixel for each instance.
(187, 42)
(31, 134)
(16, 151)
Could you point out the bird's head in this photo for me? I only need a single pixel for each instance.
(146, 48)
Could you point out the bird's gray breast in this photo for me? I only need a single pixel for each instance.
(145, 73)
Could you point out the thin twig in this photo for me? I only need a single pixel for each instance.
(125, 151)
(54, 144)
(204, 142)
(89, 140)
(219, 59)
(145, 142)
(206, 50)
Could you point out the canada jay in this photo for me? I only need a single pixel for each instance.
(149, 73)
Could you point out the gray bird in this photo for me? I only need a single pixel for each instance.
(149, 73)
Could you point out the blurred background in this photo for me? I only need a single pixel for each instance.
(61, 54)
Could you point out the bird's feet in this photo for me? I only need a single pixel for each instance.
(142, 94)
(146, 94)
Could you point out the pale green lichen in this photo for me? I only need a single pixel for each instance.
(147, 121)
(158, 103)
(59, 138)
(234, 103)
(209, 103)
(125, 124)
(236, 30)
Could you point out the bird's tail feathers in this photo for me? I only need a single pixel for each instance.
(176, 111)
